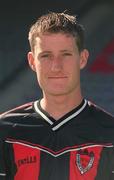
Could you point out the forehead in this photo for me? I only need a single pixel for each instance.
(55, 40)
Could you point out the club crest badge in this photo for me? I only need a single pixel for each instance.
(84, 160)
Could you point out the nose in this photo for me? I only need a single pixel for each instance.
(56, 64)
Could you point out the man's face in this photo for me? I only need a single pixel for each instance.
(57, 63)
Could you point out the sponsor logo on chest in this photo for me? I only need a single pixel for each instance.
(27, 160)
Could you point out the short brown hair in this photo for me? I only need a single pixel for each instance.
(55, 23)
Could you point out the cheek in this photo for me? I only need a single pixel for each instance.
(41, 71)
(73, 66)
(43, 65)
(38, 70)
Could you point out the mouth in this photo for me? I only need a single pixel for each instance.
(57, 77)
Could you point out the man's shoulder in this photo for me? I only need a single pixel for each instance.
(22, 110)
(20, 115)
(99, 112)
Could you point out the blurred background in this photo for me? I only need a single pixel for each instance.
(18, 83)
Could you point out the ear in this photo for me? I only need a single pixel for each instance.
(31, 61)
(83, 58)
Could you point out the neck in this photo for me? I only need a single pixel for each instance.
(58, 106)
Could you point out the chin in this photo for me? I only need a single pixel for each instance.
(58, 93)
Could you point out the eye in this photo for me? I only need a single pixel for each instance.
(67, 54)
(45, 56)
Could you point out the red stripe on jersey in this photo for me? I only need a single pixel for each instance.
(84, 163)
(27, 161)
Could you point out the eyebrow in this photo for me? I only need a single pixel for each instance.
(64, 50)
(45, 52)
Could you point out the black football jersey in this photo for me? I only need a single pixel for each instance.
(35, 146)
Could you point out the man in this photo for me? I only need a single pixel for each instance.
(62, 136)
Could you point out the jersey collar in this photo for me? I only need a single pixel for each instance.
(56, 124)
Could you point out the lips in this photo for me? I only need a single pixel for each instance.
(56, 77)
